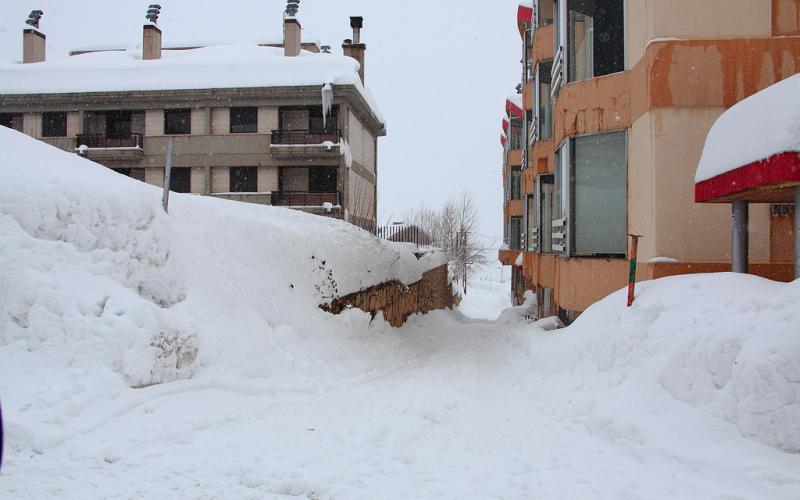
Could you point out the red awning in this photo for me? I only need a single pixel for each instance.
(503, 140)
(765, 181)
(505, 125)
(514, 109)
(524, 16)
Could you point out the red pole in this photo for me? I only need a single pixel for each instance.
(632, 274)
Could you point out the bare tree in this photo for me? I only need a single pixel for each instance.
(453, 227)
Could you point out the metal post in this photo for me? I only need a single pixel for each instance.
(740, 237)
(167, 177)
(797, 232)
(632, 273)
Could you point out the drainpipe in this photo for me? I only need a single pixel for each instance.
(797, 232)
(740, 238)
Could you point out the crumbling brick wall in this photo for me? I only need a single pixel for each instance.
(398, 301)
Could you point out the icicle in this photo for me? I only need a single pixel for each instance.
(327, 103)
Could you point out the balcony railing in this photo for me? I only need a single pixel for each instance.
(303, 199)
(100, 141)
(301, 137)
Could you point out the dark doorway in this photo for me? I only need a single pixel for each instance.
(118, 124)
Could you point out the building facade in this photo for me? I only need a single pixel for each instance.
(278, 124)
(616, 100)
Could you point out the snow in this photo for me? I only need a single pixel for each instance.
(757, 128)
(247, 390)
(214, 67)
(485, 299)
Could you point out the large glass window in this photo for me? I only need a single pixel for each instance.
(180, 180)
(544, 12)
(516, 183)
(244, 120)
(322, 180)
(244, 179)
(599, 201)
(544, 101)
(177, 121)
(11, 120)
(515, 230)
(517, 133)
(595, 38)
(544, 190)
(118, 123)
(531, 224)
(54, 124)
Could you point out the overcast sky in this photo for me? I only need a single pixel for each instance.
(440, 72)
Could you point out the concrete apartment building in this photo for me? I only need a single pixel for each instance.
(278, 122)
(604, 137)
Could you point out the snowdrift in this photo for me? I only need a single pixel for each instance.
(92, 267)
(726, 345)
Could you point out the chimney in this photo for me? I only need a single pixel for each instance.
(354, 48)
(291, 29)
(151, 41)
(33, 40)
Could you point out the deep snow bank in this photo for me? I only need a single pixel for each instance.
(92, 267)
(726, 344)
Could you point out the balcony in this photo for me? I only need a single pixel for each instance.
(303, 199)
(127, 147)
(100, 141)
(305, 137)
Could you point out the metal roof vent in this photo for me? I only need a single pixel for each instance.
(153, 12)
(33, 18)
(292, 6)
(326, 49)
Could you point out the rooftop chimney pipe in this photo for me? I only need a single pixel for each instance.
(292, 42)
(354, 48)
(33, 40)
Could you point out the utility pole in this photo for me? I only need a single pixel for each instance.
(167, 177)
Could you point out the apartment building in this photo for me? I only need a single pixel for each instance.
(604, 136)
(284, 123)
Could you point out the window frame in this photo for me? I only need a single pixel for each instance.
(537, 104)
(251, 169)
(243, 127)
(49, 133)
(561, 39)
(168, 112)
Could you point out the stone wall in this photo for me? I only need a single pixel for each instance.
(398, 301)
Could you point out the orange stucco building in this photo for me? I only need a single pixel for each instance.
(605, 134)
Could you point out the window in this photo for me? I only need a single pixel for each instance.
(516, 140)
(11, 120)
(322, 180)
(561, 189)
(177, 121)
(516, 183)
(118, 123)
(544, 10)
(531, 228)
(180, 180)
(544, 195)
(244, 120)
(54, 124)
(600, 195)
(307, 118)
(133, 173)
(544, 101)
(515, 231)
(244, 179)
(595, 38)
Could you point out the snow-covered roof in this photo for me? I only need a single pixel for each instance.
(195, 43)
(213, 67)
(762, 126)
